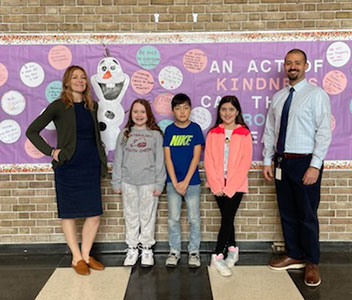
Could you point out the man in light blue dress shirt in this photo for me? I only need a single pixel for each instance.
(296, 138)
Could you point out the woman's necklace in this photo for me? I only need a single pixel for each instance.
(227, 141)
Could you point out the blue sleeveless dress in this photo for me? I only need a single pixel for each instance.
(77, 181)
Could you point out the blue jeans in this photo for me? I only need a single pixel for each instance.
(193, 214)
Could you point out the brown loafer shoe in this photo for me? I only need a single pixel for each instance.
(312, 275)
(286, 263)
(95, 265)
(81, 268)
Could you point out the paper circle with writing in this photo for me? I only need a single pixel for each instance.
(164, 123)
(148, 57)
(162, 104)
(32, 74)
(4, 74)
(142, 82)
(31, 150)
(201, 116)
(170, 77)
(13, 103)
(10, 131)
(334, 82)
(338, 54)
(53, 90)
(60, 57)
(195, 60)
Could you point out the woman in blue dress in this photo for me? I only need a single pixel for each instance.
(79, 161)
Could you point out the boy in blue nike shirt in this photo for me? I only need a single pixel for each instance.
(182, 148)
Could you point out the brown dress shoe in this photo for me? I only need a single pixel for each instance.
(312, 275)
(81, 268)
(95, 265)
(286, 263)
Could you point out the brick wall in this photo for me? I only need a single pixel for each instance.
(28, 211)
(174, 15)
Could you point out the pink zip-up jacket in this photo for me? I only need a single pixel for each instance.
(239, 160)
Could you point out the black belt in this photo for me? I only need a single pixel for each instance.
(292, 155)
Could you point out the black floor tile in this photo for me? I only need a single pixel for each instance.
(30, 261)
(23, 284)
(336, 283)
(161, 283)
(332, 258)
(254, 259)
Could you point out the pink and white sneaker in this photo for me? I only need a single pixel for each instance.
(232, 256)
(218, 263)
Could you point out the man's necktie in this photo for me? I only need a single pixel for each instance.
(280, 147)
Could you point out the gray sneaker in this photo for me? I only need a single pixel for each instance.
(194, 260)
(172, 259)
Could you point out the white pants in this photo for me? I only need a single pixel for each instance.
(139, 209)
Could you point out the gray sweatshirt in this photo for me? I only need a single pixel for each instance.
(140, 161)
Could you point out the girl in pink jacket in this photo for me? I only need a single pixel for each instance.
(227, 159)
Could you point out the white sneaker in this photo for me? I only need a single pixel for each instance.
(218, 263)
(147, 257)
(131, 257)
(232, 256)
(172, 259)
(194, 260)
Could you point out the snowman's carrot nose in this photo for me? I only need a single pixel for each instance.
(107, 75)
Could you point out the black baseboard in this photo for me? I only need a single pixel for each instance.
(160, 247)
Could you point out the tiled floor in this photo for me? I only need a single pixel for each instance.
(23, 276)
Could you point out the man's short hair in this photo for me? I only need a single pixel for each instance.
(180, 99)
(297, 51)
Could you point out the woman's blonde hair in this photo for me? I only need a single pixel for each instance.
(66, 93)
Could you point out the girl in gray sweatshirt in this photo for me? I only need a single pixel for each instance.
(139, 175)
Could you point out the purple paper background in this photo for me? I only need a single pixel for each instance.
(196, 85)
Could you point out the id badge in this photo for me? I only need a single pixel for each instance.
(278, 174)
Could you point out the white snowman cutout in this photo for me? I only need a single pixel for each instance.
(110, 85)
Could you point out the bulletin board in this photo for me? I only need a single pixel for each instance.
(205, 66)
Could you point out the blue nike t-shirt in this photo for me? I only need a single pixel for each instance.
(181, 142)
